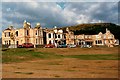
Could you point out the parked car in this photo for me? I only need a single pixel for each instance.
(19, 46)
(86, 46)
(27, 45)
(62, 46)
(71, 45)
(49, 46)
(12, 46)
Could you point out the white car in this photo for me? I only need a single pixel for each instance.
(86, 46)
(71, 45)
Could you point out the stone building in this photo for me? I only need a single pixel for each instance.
(70, 38)
(26, 34)
(39, 36)
(58, 36)
(55, 36)
(100, 39)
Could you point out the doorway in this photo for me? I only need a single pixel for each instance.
(17, 42)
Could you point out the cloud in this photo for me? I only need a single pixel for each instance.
(104, 11)
(50, 14)
(60, 0)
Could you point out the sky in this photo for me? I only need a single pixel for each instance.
(60, 14)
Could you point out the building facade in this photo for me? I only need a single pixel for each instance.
(100, 39)
(55, 36)
(26, 34)
(70, 37)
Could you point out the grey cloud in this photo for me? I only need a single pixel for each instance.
(105, 11)
(49, 14)
(43, 12)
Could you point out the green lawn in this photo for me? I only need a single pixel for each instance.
(22, 54)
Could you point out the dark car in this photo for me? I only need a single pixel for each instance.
(27, 45)
(62, 46)
(19, 46)
(49, 46)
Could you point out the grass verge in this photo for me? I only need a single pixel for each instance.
(22, 54)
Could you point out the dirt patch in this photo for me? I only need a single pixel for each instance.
(65, 68)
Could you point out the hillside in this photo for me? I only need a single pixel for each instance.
(95, 28)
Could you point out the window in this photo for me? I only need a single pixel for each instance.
(36, 41)
(5, 43)
(5, 34)
(64, 36)
(27, 32)
(58, 36)
(49, 35)
(9, 42)
(17, 42)
(40, 32)
(99, 42)
(55, 35)
(96, 42)
(36, 32)
(16, 33)
(55, 41)
(50, 42)
(9, 34)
